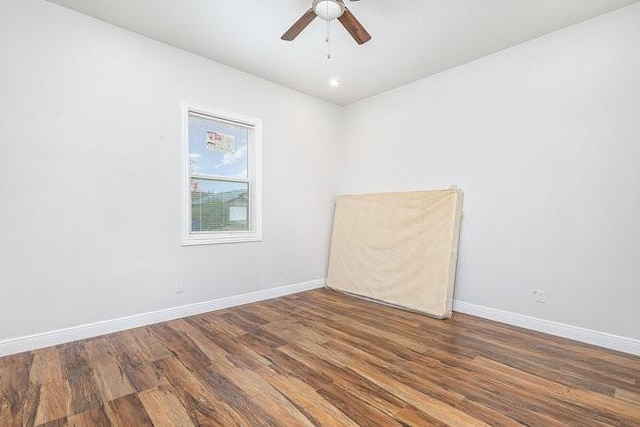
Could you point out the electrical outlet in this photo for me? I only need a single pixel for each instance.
(540, 296)
(178, 287)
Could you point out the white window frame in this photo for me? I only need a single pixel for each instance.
(254, 178)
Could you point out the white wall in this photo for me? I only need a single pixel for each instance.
(90, 184)
(544, 138)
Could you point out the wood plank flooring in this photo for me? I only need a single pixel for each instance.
(320, 358)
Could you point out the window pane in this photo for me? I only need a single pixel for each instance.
(219, 205)
(217, 148)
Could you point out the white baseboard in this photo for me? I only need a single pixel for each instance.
(601, 339)
(46, 339)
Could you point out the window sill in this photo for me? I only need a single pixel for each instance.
(215, 239)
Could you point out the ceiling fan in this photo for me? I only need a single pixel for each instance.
(329, 10)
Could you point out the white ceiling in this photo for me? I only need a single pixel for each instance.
(411, 38)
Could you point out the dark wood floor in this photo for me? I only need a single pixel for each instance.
(320, 358)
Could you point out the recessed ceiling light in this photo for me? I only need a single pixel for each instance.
(334, 82)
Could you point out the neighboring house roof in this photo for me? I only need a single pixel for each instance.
(229, 196)
(225, 197)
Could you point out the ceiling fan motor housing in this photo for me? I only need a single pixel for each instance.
(328, 9)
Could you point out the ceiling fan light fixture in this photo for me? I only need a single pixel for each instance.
(328, 9)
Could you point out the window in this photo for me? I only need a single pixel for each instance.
(222, 201)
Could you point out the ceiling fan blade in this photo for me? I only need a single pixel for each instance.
(354, 27)
(299, 25)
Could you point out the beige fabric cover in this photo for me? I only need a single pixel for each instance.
(398, 248)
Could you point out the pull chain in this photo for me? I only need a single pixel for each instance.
(328, 38)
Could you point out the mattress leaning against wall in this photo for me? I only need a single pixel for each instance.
(398, 248)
